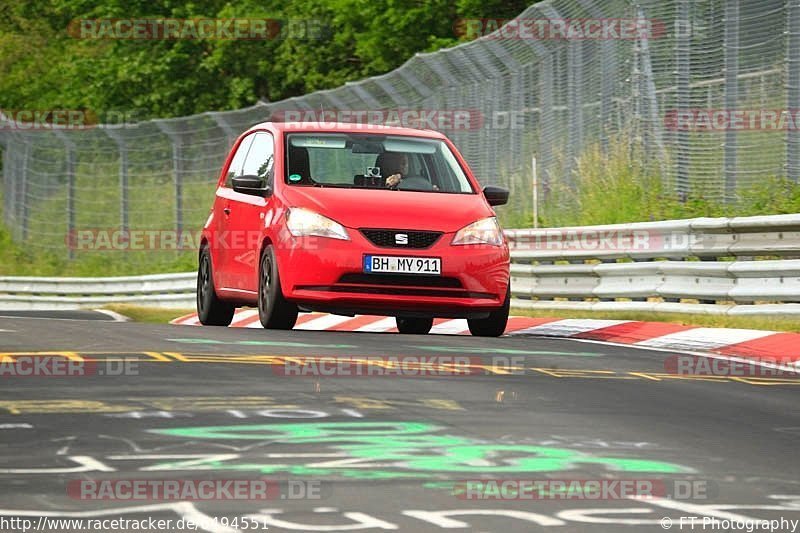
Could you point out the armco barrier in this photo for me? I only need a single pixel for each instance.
(163, 290)
(738, 265)
(742, 266)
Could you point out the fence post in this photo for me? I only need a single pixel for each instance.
(124, 207)
(23, 192)
(683, 73)
(547, 120)
(608, 75)
(391, 92)
(608, 78)
(124, 203)
(338, 103)
(364, 95)
(10, 193)
(177, 171)
(731, 50)
(793, 87)
(516, 108)
(230, 134)
(70, 161)
(7, 177)
(654, 141)
(574, 102)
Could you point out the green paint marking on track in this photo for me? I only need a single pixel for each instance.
(488, 351)
(262, 343)
(387, 450)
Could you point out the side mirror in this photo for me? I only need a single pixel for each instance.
(251, 185)
(495, 195)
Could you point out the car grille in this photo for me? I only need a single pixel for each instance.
(385, 238)
(400, 280)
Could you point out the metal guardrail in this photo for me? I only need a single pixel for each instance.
(737, 266)
(161, 290)
(740, 266)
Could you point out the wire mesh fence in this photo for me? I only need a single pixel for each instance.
(708, 89)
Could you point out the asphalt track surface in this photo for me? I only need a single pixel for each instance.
(382, 452)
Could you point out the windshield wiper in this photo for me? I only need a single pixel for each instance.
(333, 185)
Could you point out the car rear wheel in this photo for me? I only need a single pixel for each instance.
(211, 311)
(495, 324)
(274, 311)
(414, 326)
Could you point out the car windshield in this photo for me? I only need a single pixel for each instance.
(373, 162)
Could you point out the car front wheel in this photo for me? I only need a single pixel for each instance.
(211, 311)
(495, 324)
(274, 311)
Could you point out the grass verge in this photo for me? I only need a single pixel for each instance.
(149, 315)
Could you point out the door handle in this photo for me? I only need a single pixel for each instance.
(227, 210)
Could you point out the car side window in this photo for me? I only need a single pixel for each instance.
(260, 160)
(235, 169)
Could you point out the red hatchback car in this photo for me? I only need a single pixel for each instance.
(350, 219)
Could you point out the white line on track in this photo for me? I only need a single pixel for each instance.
(113, 314)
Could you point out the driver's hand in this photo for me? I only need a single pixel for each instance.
(393, 180)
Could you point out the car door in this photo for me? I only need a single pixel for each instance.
(246, 217)
(221, 241)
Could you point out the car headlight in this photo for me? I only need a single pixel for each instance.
(304, 222)
(484, 231)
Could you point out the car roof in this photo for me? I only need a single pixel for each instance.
(345, 127)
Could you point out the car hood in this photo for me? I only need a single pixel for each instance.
(380, 208)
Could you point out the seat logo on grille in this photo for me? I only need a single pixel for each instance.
(401, 238)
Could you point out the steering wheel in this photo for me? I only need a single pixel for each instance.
(414, 183)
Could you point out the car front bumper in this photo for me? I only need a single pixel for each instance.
(325, 274)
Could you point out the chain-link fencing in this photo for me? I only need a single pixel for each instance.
(707, 89)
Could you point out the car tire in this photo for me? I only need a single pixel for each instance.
(274, 311)
(414, 326)
(211, 311)
(495, 324)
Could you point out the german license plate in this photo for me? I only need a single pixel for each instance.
(393, 264)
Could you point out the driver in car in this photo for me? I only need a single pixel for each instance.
(395, 164)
